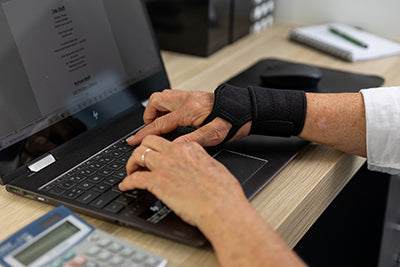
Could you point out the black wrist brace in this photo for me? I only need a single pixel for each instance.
(272, 111)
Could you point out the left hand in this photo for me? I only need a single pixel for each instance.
(170, 109)
(183, 176)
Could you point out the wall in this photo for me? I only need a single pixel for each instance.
(377, 16)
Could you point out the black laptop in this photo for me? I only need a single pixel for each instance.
(74, 78)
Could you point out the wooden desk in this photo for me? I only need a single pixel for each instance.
(292, 201)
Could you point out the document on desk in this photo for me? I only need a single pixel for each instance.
(344, 41)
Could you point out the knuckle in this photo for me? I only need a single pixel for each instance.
(153, 97)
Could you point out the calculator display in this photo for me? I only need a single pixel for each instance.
(46, 243)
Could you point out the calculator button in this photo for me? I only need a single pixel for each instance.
(94, 237)
(68, 256)
(91, 264)
(104, 242)
(127, 252)
(104, 256)
(115, 247)
(139, 257)
(93, 251)
(56, 263)
(116, 261)
(151, 262)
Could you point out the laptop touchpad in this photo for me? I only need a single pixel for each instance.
(242, 166)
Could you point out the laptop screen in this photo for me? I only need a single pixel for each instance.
(67, 66)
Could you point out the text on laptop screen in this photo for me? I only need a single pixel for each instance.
(60, 59)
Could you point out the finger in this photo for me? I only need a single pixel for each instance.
(139, 180)
(139, 159)
(211, 134)
(161, 125)
(144, 158)
(159, 104)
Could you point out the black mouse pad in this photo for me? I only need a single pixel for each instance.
(332, 81)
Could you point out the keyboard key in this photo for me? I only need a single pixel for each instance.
(95, 179)
(101, 188)
(87, 171)
(66, 184)
(73, 193)
(85, 185)
(121, 174)
(112, 181)
(77, 178)
(106, 172)
(116, 189)
(116, 165)
(56, 191)
(48, 187)
(104, 199)
(116, 154)
(114, 207)
(88, 197)
(135, 194)
(125, 200)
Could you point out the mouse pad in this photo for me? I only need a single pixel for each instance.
(262, 157)
(331, 81)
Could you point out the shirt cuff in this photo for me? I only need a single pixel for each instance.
(382, 113)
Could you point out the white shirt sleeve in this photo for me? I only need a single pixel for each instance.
(382, 112)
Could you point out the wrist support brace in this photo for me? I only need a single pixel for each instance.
(273, 112)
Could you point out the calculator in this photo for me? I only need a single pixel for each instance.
(60, 238)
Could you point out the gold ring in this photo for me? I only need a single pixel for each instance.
(143, 157)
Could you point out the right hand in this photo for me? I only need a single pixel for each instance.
(186, 178)
(170, 109)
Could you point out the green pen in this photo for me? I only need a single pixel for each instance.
(347, 37)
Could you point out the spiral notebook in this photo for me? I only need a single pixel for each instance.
(322, 38)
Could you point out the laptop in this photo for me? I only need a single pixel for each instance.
(74, 78)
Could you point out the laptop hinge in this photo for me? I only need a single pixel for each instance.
(41, 163)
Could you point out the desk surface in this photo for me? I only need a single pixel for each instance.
(293, 200)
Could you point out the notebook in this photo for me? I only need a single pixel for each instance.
(322, 38)
(74, 78)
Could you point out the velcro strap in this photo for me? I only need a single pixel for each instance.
(232, 104)
(277, 112)
(274, 112)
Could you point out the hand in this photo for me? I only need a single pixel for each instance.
(172, 108)
(182, 175)
(203, 193)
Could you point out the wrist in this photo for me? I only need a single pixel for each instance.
(273, 112)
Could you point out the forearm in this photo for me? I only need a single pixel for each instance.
(241, 237)
(336, 120)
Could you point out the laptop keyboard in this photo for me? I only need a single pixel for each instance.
(95, 181)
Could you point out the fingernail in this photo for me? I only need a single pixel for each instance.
(130, 139)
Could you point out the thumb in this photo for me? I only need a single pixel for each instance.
(210, 134)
